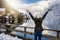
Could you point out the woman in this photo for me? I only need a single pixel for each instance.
(38, 25)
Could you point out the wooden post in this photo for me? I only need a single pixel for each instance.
(58, 34)
(24, 33)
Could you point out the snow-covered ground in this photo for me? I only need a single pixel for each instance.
(8, 37)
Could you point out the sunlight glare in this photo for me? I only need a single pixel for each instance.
(13, 3)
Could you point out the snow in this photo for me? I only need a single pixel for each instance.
(8, 37)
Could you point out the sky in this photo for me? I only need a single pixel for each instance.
(30, 1)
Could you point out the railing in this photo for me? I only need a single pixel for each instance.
(25, 32)
(58, 31)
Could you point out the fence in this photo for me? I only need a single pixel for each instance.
(25, 32)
